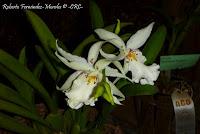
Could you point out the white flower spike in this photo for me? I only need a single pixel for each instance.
(80, 85)
(133, 58)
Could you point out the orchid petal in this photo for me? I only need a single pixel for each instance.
(116, 101)
(119, 66)
(76, 65)
(143, 81)
(142, 73)
(140, 58)
(110, 37)
(113, 57)
(102, 64)
(126, 66)
(69, 56)
(140, 37)
(116, 91)
(154, 68)
(125, 70)
(68, 82)
(94, 52)
(116, 80)
(74, 104)
(80, 92)
(113, 72)
(91, 101)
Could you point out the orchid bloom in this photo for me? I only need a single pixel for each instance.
(133, 58)
(80, 85)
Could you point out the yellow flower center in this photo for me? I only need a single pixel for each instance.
(91, 80)
(131, 55)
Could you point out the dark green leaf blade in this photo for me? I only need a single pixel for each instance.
(24, 73)
(172, 62)
(46, 37)
(12, 108)
(44, 34)
(56, 121)
(94, 131)
(11, 124)
(49, 66)
(10, 95)
(122, 82)
(23, 88)
(154, 44)
(137, 89)
(22, 56)
(38, 69)
(75, 129)
(95, 15)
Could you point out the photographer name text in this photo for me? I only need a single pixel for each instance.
(40, 6)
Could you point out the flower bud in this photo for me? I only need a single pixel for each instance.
(107, 93)
(117, 28)
(98, 91)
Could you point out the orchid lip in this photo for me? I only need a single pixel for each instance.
(131, 55)
(91, 79)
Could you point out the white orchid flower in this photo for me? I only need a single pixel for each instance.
(133, 58)
(79, 86)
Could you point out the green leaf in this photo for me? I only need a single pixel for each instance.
(46, 37)
(24, 89)
(90, 39)
(11, 124)
(118, 27)
(9, 94)
(13, 108)
(56, 121)
(44, 34)
(138, 89)
(98, 91)
(107, 93)
(172, 62)
(24, 73)
(68, 121)
(49, 66)
(38, 69)
(41, 128)
(83, 118)
(75, 129)
(22, 56)
(94, 131)
(154, 44)
(95, 15)
(122, 82)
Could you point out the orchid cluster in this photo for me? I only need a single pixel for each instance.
(91, 78)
